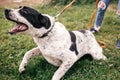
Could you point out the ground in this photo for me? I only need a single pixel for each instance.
(8, 3)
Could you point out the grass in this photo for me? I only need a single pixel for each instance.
(13, 48)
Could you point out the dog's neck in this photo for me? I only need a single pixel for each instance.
(47, 33)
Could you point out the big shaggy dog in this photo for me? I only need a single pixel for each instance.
(56, 44)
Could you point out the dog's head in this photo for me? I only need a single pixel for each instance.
(29, 21)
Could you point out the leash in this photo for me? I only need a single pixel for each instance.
(65, 8)
(101, 43)
(92, 16)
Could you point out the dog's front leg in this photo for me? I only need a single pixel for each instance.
(65, 66)
(27, 56)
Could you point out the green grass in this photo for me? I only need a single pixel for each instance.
(13, 48)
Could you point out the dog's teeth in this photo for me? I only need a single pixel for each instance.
(20, 28)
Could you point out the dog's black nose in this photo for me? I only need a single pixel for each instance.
(7, 11)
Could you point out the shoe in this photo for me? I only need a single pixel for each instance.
(118, 16)
(93, 30)
(118, 44)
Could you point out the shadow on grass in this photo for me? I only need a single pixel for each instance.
(40, 70)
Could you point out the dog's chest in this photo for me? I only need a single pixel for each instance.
(50, 50)
(50, 55)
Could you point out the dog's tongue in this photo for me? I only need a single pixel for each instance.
(18, 28)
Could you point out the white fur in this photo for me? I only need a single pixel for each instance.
(55, 47)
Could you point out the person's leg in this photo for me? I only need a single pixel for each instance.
(102, 7)
(118, 11)
(118, 44)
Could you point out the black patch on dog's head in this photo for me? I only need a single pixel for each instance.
(34, 17)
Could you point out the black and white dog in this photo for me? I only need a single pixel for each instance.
(56, 44)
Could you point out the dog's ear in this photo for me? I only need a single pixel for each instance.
(23, 7)
(44, 21)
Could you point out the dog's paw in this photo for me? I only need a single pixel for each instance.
(104, 58)
(55, 78)
(21, 70)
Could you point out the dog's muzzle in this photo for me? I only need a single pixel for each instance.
(19, 26)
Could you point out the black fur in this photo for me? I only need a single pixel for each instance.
(82, 31)
(73, 45)
(35, 18)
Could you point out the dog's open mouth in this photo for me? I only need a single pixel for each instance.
(19, 27)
